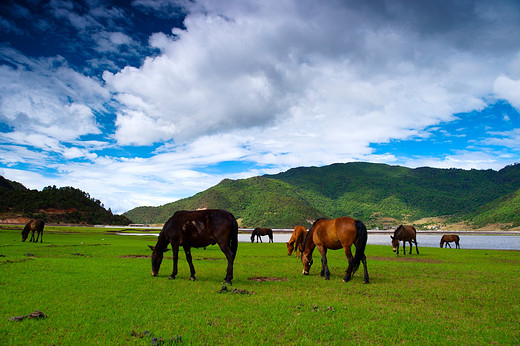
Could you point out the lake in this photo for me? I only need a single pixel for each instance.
(467, 241)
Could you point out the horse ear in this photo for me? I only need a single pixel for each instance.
(151, 247)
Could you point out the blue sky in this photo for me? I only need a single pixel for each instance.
(144, 102)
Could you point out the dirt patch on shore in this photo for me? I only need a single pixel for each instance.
(266, 278)
(405, 259)
(134, 256)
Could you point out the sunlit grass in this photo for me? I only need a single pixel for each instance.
(96, 287)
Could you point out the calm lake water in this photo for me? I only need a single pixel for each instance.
(467, 241)
(496, 242)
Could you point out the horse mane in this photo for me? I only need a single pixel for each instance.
(26, 229)
(398, 229)
(309, 232)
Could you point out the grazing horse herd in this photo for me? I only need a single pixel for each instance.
(200, 228)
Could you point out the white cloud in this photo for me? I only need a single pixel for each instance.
(45, 102)
(277, 83)
(508, 89)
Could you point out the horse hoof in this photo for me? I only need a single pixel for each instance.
(365, 282)
(192, 278)
(171, 277)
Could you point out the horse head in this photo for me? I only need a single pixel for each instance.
(290, 247)
(306, 263)
(395, 243)
(25, 233)
(157, 257)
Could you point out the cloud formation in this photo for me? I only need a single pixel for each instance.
(268, 85)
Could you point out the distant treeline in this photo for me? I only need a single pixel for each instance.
(374, 193)
(55, 205)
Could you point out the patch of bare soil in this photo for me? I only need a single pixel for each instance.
(405, 259)
(134, 256)
(224, 289)
(266, 278)
(36, 314)
(209, 259)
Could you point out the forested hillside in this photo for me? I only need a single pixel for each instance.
(378, 194)
(54, 205)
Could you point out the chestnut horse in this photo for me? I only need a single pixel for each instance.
(447, 238)
(259, 232)
(296, 242)
(33, 226)
(197, 229)
(406, 234)
(336, 234)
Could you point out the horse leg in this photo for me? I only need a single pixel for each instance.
(260, 237)
(350, 259)
(416, 248)
(187, 251)
(449, 244)
(325, 272)
(32, 236)
(365, 270)
(175, 250)
(457, 246)
(37, 237)
(230, 259)
(411, 246)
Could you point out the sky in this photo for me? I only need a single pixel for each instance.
(144, 102)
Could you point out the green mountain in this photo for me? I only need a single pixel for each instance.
(54, 205)
(504, 210)
(370, 192)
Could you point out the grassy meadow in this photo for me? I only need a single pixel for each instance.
(96, 288)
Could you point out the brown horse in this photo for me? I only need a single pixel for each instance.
(259, 232)
(336, 234)
(33, 226)
(197, 229)
(447, 238)
(406, 234)
(296, 242)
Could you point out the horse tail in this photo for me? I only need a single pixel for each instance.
(233, 238)
(362, 237)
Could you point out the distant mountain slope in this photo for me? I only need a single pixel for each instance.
(54, 205)
(257, 200)
(502, 210)
(370, 192)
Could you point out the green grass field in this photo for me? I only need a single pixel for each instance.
(96, 288)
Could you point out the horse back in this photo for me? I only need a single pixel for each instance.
(298, 234)
(200, 228)
(405, 233)
(335, 234)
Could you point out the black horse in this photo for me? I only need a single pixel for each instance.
(259, 232)
(33, 226)
(197, 229)
(406, 234)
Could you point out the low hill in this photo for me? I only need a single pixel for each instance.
(380, 195)
(54, 205)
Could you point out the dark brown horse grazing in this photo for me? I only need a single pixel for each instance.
(336, 234)
(259, 232)
(447, 238)
(406, 234)
(33, 226)
(197, 229)
(296, 242)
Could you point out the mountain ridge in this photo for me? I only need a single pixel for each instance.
(379, 194)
